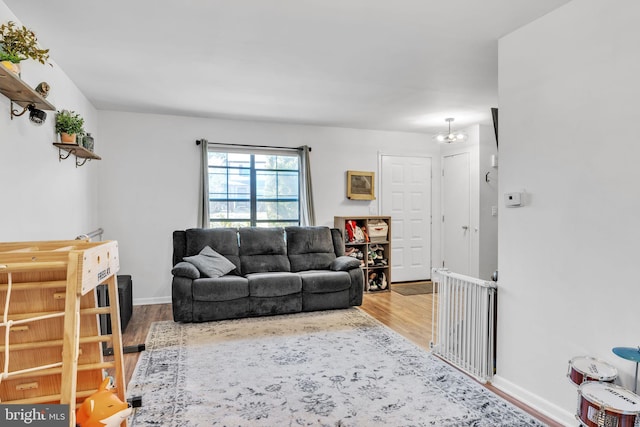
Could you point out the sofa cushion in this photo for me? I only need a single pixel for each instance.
(321, 281)
(225, 288)
(210, 263)
(274, 284)
(222, 240)
(310, 248)
(179, 246)
(263, 250)
(338, 241)
(344, 263)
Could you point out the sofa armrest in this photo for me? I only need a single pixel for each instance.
(344, 263)
(356, 291)
(182, 299)
(186, 269)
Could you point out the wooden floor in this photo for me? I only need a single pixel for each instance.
(410, 316)
(138, 328)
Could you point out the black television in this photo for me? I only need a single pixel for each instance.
(494, 114)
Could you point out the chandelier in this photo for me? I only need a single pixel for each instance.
(450, 136)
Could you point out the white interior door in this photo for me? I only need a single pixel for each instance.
(456, 231)
(405, 193)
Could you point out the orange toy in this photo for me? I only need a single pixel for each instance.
(102, 409)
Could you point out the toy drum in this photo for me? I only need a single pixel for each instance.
(586, 368)
(608, 405)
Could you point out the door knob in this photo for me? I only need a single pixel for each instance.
(465, 227)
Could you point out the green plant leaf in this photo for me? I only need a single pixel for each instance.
(21, 43)
(69, 122)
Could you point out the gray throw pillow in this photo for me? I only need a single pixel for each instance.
(210, 263)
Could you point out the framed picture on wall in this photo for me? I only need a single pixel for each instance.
(360, 185)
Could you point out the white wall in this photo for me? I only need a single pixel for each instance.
(42, 198)
(488, 198)
(569, 93)
(150, 175)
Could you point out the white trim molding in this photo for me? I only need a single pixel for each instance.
(149, 301)
(541, 405)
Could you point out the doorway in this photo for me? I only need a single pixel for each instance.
(456, 213)
(405, 193)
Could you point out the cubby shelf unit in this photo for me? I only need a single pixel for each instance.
(366, 246)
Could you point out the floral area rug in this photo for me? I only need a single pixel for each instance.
(331, 368)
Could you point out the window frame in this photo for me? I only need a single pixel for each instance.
(254, 199)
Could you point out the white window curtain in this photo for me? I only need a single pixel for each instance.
(203, 205)
(307, 211)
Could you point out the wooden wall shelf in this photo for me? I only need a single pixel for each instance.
(78, 151)
(14, 88)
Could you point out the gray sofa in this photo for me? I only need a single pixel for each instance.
(275, 271)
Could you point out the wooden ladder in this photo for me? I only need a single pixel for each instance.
(50, 340)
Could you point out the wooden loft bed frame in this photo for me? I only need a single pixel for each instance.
(52, 350)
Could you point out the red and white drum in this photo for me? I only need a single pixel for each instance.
(607, 405)
(585, 368)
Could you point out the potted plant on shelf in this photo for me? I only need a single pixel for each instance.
(68, 124)
(19, 43)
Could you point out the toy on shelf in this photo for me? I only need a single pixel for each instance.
(355, 233)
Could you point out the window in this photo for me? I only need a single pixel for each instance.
(253, 189)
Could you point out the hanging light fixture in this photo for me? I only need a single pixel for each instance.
(449, 137)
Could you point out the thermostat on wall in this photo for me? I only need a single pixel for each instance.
(512, 200)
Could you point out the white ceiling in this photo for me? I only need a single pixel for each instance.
(401, 65)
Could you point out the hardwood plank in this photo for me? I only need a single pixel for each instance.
(136, 333)
(410, 316)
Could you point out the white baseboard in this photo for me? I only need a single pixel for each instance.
(534, 401)
(148, 301)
